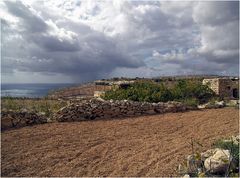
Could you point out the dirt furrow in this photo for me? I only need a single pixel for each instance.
(141, 146)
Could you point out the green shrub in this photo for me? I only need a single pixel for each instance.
(190, 102)
(191, 92)
(192, 89)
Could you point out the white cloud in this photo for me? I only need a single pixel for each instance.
(60, 33)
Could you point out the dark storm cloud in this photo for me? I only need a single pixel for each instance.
(51, 43)
(31, 22)
(36, 30)
(79, 51)
(102, 39)
(217, 13)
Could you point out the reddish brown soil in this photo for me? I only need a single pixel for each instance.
(143, 146)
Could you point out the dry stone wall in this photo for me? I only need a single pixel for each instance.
(13, 119)
(97, 108)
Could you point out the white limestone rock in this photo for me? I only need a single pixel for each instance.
(218, 162)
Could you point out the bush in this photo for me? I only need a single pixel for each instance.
(192, 89)
(190, 92)
(190, 102)
(141, 91)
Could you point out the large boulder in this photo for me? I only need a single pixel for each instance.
(218, 160)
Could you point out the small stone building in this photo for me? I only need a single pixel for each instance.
(224, 87)
(110, 85)
(98, 93)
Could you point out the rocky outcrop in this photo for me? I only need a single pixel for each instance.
(14, 119)
(98, 108)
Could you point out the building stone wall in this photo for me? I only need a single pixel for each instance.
(224, 87)
(213, 84)
(98, 94)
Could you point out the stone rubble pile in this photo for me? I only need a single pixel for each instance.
(212, 105)
(14, 119)
(98, 108)
(213, 162)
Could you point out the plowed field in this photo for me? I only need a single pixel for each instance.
(141, 146)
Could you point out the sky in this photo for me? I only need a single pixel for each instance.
(77, 41)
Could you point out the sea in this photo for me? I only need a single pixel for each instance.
(31, 90)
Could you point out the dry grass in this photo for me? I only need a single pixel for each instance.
(37, 105)
(143, 146)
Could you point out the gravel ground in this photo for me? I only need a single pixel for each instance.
(142, 146)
